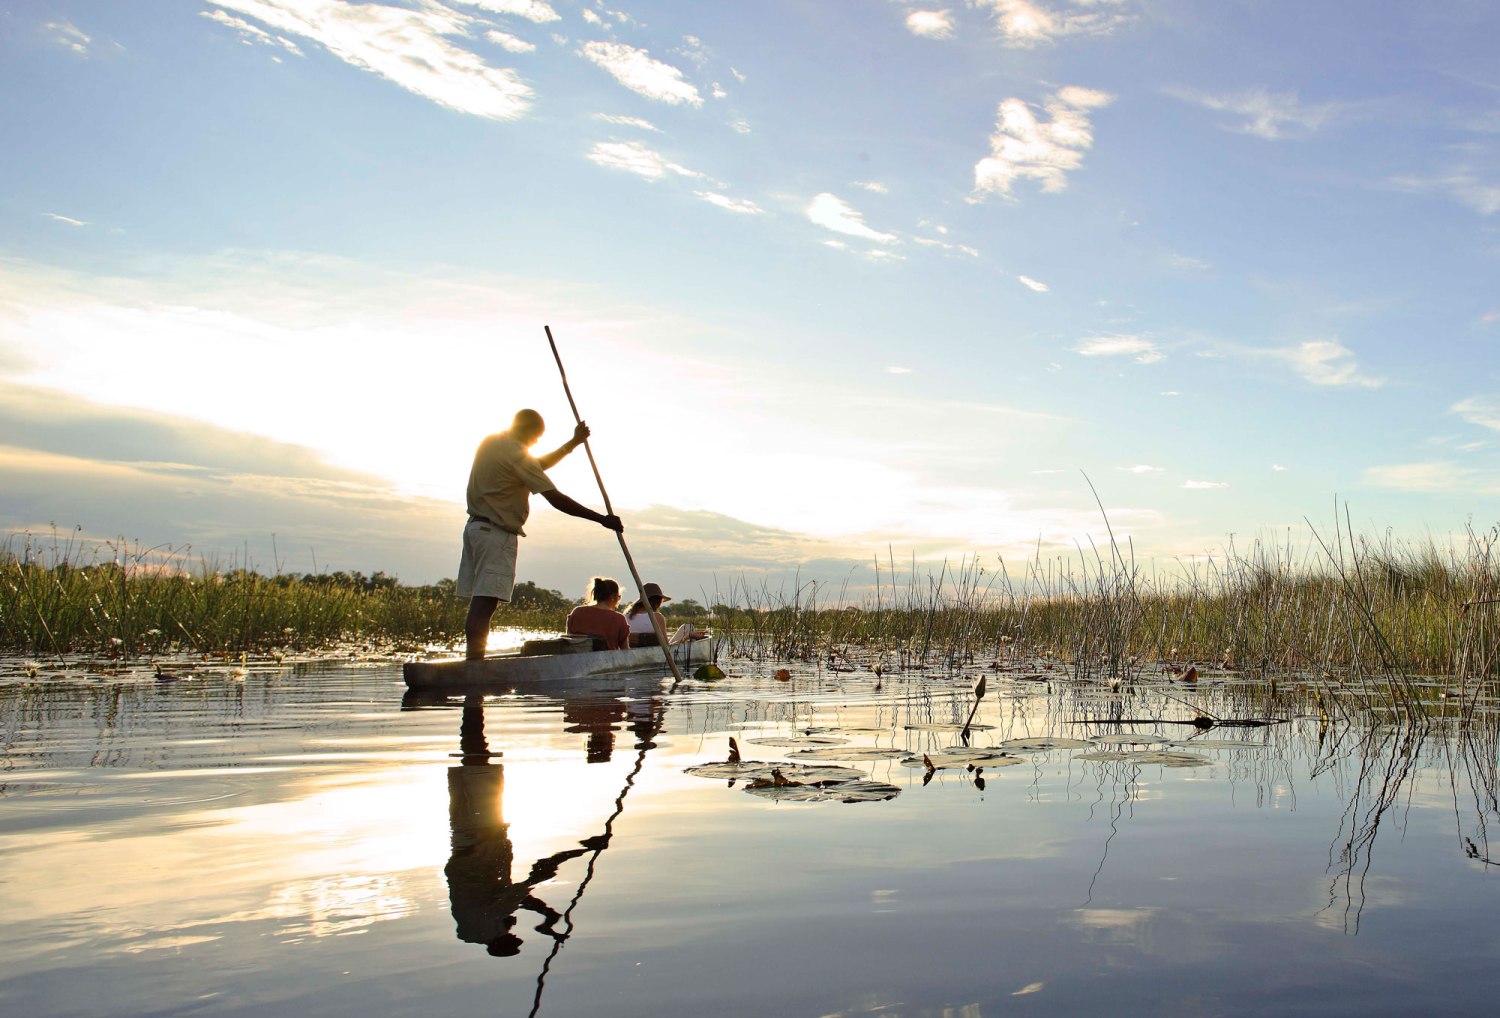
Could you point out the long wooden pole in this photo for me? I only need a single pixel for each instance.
(661, 632)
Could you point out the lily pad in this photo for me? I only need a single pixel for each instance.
(1215, 744)
(708, 673)
(797, 740)
(1169, 759)
(1129, 739)
(936, 726)
(1040, 745)
(1105, 755)
(843, 791)
(752, 769)
(848, 753)
(959, 757)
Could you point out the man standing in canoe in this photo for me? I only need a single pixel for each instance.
(504, 477)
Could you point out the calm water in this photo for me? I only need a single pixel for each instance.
(291, 841)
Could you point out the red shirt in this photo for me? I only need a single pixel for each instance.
(594, 620)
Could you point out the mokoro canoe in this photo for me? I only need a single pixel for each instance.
(570, 661)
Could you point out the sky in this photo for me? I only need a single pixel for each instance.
(834, 281)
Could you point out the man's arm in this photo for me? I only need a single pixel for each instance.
(555, 456)
(564, 504)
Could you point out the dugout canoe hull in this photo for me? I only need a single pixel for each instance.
(505, 672)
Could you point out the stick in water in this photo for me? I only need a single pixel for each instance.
(661, 632)
(979, 688)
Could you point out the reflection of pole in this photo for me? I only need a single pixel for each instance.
(603, 842)
(661, 632)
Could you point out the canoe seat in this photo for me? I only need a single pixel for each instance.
(559, 645)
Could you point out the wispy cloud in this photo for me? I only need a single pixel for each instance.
(407, 46)
(69, 36)
(638, 71)
(633, 157)
(1461, 185)
(1025, 23)
(1480, 410)
(532, 10)
(1032, 284)
(1204, 485)
(1044, 150)
(897, 369)
(930, 24)
(833, 213)
(873, 186)
(1139, 348)
(1269, 115)
(252, 35)
(509, 43)
(1142, 468)
(69, 220)
(644, 125)
(1326, 362)
(1440, 476)
(743, 206)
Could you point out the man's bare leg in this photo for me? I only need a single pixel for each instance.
(477, 626)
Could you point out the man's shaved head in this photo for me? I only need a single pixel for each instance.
(527, 426)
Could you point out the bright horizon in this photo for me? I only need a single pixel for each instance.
(831, 281)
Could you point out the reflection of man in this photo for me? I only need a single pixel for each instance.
(484, 897)
(504, 477)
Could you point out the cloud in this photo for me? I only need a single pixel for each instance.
(1024, 23)
(510, 43)
(832, 213)
(252, 35)
(1203, 485)
(1480, 410)
(1422, 477)
(897, 369)
(1269, 115)
(1142, 468)
(639, 72)
(69, 220)
(930, 24)
(633, 157)
(1461, 185)
(1326, 362)
(875, 187)
(1143, 350)
(406, 46)
(644, 125)
(1044, 150)
(1032, 284)
(68, 36)
(532, 10)
(733, 205)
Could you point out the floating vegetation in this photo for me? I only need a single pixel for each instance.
(1128, 739)
(751, 770)
(856, 790)
(795, 741)
(959, 756)
(937, 726)
(708, 673)
(848, 753)
(1043, 745)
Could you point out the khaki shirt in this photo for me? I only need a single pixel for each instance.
(503, 479)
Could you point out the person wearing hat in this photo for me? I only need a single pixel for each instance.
(504, 477)
(643, 628)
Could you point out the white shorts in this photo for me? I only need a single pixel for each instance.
(488, 566)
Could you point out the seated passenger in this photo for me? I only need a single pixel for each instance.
(599, 617)
(642, 630)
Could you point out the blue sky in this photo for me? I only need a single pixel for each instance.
(830, 278)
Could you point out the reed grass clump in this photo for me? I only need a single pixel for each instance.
(1345, 607)
(121, 601)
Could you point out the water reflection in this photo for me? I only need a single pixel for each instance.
(484, 897)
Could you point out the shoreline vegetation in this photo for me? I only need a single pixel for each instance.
(1347, 608)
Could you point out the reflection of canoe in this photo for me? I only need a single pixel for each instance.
(502, 671)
